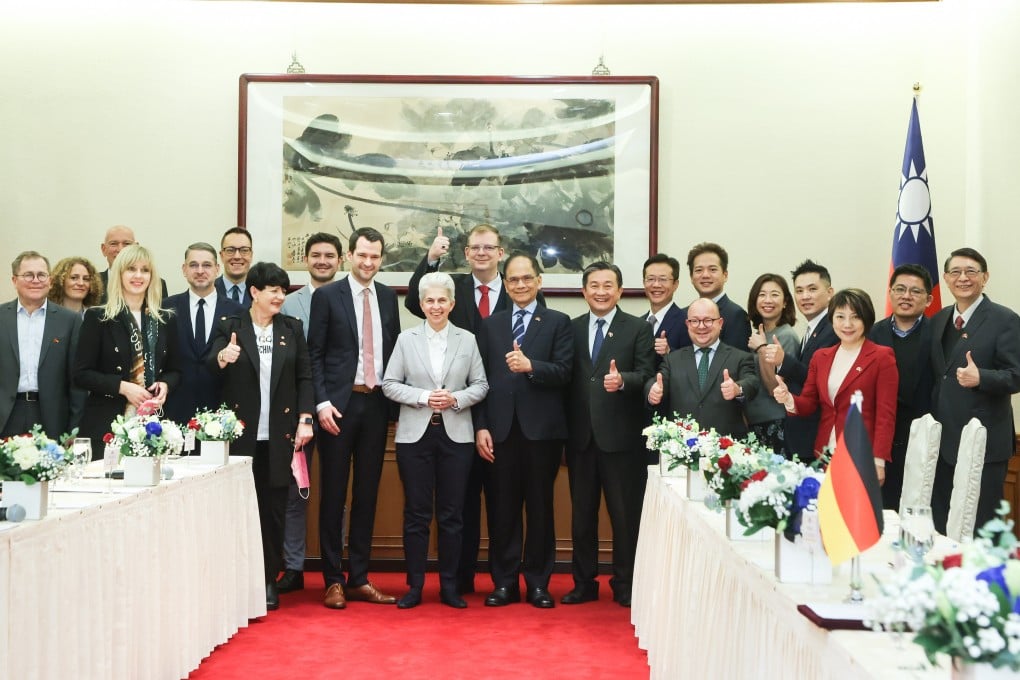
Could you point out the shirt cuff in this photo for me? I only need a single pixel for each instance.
(322, 405)
(423, 398)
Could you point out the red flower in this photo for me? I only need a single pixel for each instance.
(725, 463)
(725, 442)
(193, 424)
(108, 437)
(951, 561)
(756, 477)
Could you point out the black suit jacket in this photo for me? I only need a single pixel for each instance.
(200, 387)
(221, 290)
(536, 398)
(706, 405)
(465, 312)
(104, 359)
(992, 336)
(736, 330)
(674, 325)
(105, 276)
(795, 369)
(60, 404)
(613, 419)
(333, 341)
(916, 380)
(290, 387)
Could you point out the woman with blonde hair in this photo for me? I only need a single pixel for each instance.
(127, 350)
(76, 285)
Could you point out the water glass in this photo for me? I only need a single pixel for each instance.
(81, 449)
(917, 532)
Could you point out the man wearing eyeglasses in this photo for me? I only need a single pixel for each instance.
(38, 347)
(975, 352)
(117, 238)
(478, 295)
(661, 279)
(197, 311)
(707, 380)
(236, 251)
(908, 332)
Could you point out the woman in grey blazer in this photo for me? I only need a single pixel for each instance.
(436, 375)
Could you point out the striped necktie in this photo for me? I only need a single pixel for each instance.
(518, 329)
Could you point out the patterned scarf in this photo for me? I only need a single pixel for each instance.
(143, 344)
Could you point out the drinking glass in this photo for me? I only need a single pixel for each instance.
(917, 532)
(81, 449)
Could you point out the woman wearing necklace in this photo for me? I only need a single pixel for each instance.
(267, 382)
(836, 372)
(76, 285)
(127, 350)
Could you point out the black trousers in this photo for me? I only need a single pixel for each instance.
(479, 481)
(362, 440)
(24, 415)
(621, 475)
(993, 476)
(272, 502)
(523, 476)
(434, 471)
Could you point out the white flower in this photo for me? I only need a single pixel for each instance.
(213, 429)
(26, 456)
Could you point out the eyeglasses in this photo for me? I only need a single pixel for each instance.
(527, 279)
(663, 280)
(28, 277)
(969, 271)
(903, 291)
(481, 248)
(233, 250)
(702, 323)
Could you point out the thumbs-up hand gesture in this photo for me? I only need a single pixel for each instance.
(440, 246)
(516, 361)
(613, 382)
(661, 346)
(774, 353)
(969, 375)
(730, 389)
(656, 391)
(782, 394)
(758, 338)
(230, 353)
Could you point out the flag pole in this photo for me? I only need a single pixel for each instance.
(855, 596)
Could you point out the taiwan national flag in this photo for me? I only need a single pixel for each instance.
(914, 236)
(850, 500)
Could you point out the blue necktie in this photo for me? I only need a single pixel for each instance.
(235, 294)
(200, 324)
(518, 329)
(596, 345)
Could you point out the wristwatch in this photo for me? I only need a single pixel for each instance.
(307, 420)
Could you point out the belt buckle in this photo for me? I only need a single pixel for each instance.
(31, 396)
(436, 419)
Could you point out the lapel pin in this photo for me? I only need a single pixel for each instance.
(538, 318)
(964, 336)
(860, 368)
(56, 341)
(610, 334)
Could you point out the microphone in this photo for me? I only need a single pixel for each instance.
(14, 513)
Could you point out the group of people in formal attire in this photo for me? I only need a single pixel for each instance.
(494, 389)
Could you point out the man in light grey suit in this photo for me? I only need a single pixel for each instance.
(322, 257)
(37, 355)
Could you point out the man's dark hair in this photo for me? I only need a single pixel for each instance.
(237, 230)
(707, 247)
(371, 235)
(600, 266)
(970, 254)
(265, 274)
(323, 237)
(810, 267)
(662, 258)
(912, 270)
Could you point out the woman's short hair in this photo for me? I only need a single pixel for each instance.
(63, 270)
(858, 301)
(262, 275)
(435, 280)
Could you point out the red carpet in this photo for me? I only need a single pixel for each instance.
(303, 639)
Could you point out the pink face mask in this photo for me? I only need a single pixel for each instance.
(299, 467)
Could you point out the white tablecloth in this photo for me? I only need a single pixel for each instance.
(140, 583)
(708, 607)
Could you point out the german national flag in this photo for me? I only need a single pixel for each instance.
(850, 502)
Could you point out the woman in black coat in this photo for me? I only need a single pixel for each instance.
(267, 382)
(127, 350)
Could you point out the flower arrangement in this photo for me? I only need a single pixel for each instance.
(730, 466)
(32, 457)
(219, 425)
(966, 606)
(776, 495)
(145, 436)
(679, 440)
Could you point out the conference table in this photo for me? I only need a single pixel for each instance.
(131, 582)
(705, 606)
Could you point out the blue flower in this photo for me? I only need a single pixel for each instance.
(692, 442)
(153, 429)
(806, 492)
(994, 576)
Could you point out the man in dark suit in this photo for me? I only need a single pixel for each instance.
(37, 355)
(352, 328)
(478, 295)
(520, 429)
(237, 253)
(613, 358)
(708, 265)
(908, 332)
(812, 290)
(661, 279)
(975, 352)
(117, 238)
(197, 310)
(708, 381)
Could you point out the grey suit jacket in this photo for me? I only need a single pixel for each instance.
(61, 404)
(299, 304)
(409, 372)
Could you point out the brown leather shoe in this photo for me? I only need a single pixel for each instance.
(335, 597)
(369, 593)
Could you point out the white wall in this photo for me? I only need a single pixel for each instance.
(781, 127)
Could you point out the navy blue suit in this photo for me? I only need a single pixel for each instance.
(674, 325)
(221, 289)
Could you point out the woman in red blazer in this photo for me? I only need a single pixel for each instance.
(836, 372)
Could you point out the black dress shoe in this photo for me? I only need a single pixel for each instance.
(410, 599)
(503, 596)
(452, 599)
(581, 594)
(540, 597)
(272, 597)
(623, 599)
(291, 580)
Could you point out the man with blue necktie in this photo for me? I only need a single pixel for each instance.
(237, 253)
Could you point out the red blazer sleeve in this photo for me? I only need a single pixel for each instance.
(883, 402)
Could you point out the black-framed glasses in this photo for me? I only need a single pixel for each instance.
(28, 277)
(702, 323)
(234, 250)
